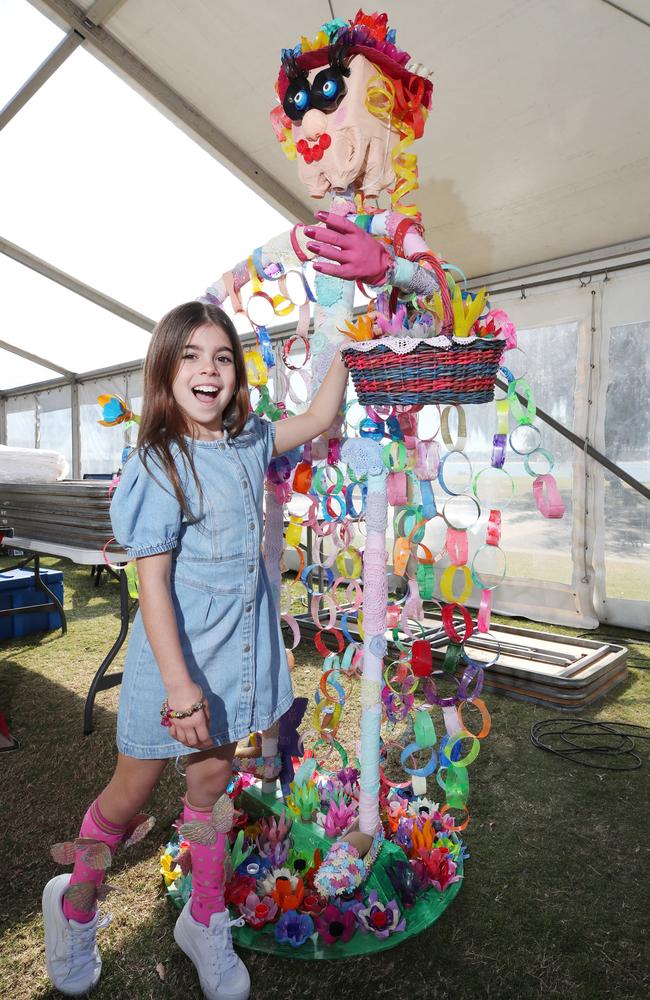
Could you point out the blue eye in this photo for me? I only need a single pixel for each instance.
(301, 100)
(330, 87)
(296, 99)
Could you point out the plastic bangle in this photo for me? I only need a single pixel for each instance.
(477, 640)
(472, 672)
(551, 505)
(461, 512)
(461, 433)
(470, 756)
(447, 584)
(314, 568)
(452, 657)
(493, 530)
(425, 580)
(424, 729)
(457, 546)
(430, 692)
(420, 772)
(486, 719)
(429, 508)
(286, 351)
(396, 489)
(502, 409)
(320, 481)
(543, 453)
(315, 610)
(395, 457)
(319, 641)
(428, 460)
(457, 827)
(479, 576)
(448, 611)
(484, 612)
(498, 456)
(521, 416)
(441, 470)
(295, 630)
(354, 555)
(492, 474)
(525, 438)
(401, 555)
(297, 249)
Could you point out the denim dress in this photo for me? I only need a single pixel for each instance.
(228, 624)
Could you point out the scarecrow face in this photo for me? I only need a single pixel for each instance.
(340, 143)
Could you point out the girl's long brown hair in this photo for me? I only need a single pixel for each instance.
(163, 423)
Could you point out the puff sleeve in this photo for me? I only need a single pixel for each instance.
(264, 430)
(145, 514)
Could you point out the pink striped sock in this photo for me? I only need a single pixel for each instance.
(95, 826)
(208, 876)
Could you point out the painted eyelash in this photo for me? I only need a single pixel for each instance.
(338, 51)
(290, 65)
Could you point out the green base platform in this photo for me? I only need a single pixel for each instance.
(309, 837)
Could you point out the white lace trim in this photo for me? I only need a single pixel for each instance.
(404, 345)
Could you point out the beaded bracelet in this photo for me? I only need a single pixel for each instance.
(167, 714)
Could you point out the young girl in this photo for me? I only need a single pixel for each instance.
(206, 657)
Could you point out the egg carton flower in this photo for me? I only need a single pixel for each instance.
(258, 912)
(294, 928)
(335, 924)
(380, 919)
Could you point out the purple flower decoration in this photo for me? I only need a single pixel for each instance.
(381, 920)
(406, 880)
(335, 924)
(294, 928)
(403, 834)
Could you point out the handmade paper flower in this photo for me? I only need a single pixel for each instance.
(294, 928)
(286, 895)
(379, 919)
(335, 924)
(258, 912)
(238, 889)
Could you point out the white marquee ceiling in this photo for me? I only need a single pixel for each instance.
(538, 145)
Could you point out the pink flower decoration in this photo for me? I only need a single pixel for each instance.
(335, 924)
(503, 326)
(258, 912)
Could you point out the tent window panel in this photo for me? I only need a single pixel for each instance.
(101, 447)
(26, 39)
(56, 422)
(21, 428)
(538, 548)
(627, 437)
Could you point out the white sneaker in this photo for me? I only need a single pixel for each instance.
(223, 976)
(71, 954)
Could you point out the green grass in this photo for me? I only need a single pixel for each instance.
(554, 903)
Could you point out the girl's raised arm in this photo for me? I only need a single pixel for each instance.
(322, 411)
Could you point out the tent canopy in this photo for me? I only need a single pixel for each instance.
(536, 147)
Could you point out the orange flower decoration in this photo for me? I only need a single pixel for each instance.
(422, 838)
(285, 896)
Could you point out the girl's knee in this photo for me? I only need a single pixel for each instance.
(207, 778)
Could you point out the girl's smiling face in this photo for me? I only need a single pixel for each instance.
(206, 380)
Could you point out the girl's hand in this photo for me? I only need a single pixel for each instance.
(192, 731)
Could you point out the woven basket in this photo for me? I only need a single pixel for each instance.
(461, 373)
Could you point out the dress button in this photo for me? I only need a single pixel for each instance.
(251, 569)
(249, 608)
(251, 526)
(246, 686)
(247, 649)
(244, 484)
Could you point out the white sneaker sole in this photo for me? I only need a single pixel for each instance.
(51, 903)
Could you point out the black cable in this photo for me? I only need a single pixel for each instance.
(562, 730)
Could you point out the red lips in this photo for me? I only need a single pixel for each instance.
(315, 152)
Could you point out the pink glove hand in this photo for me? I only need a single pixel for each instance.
(355, 254)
